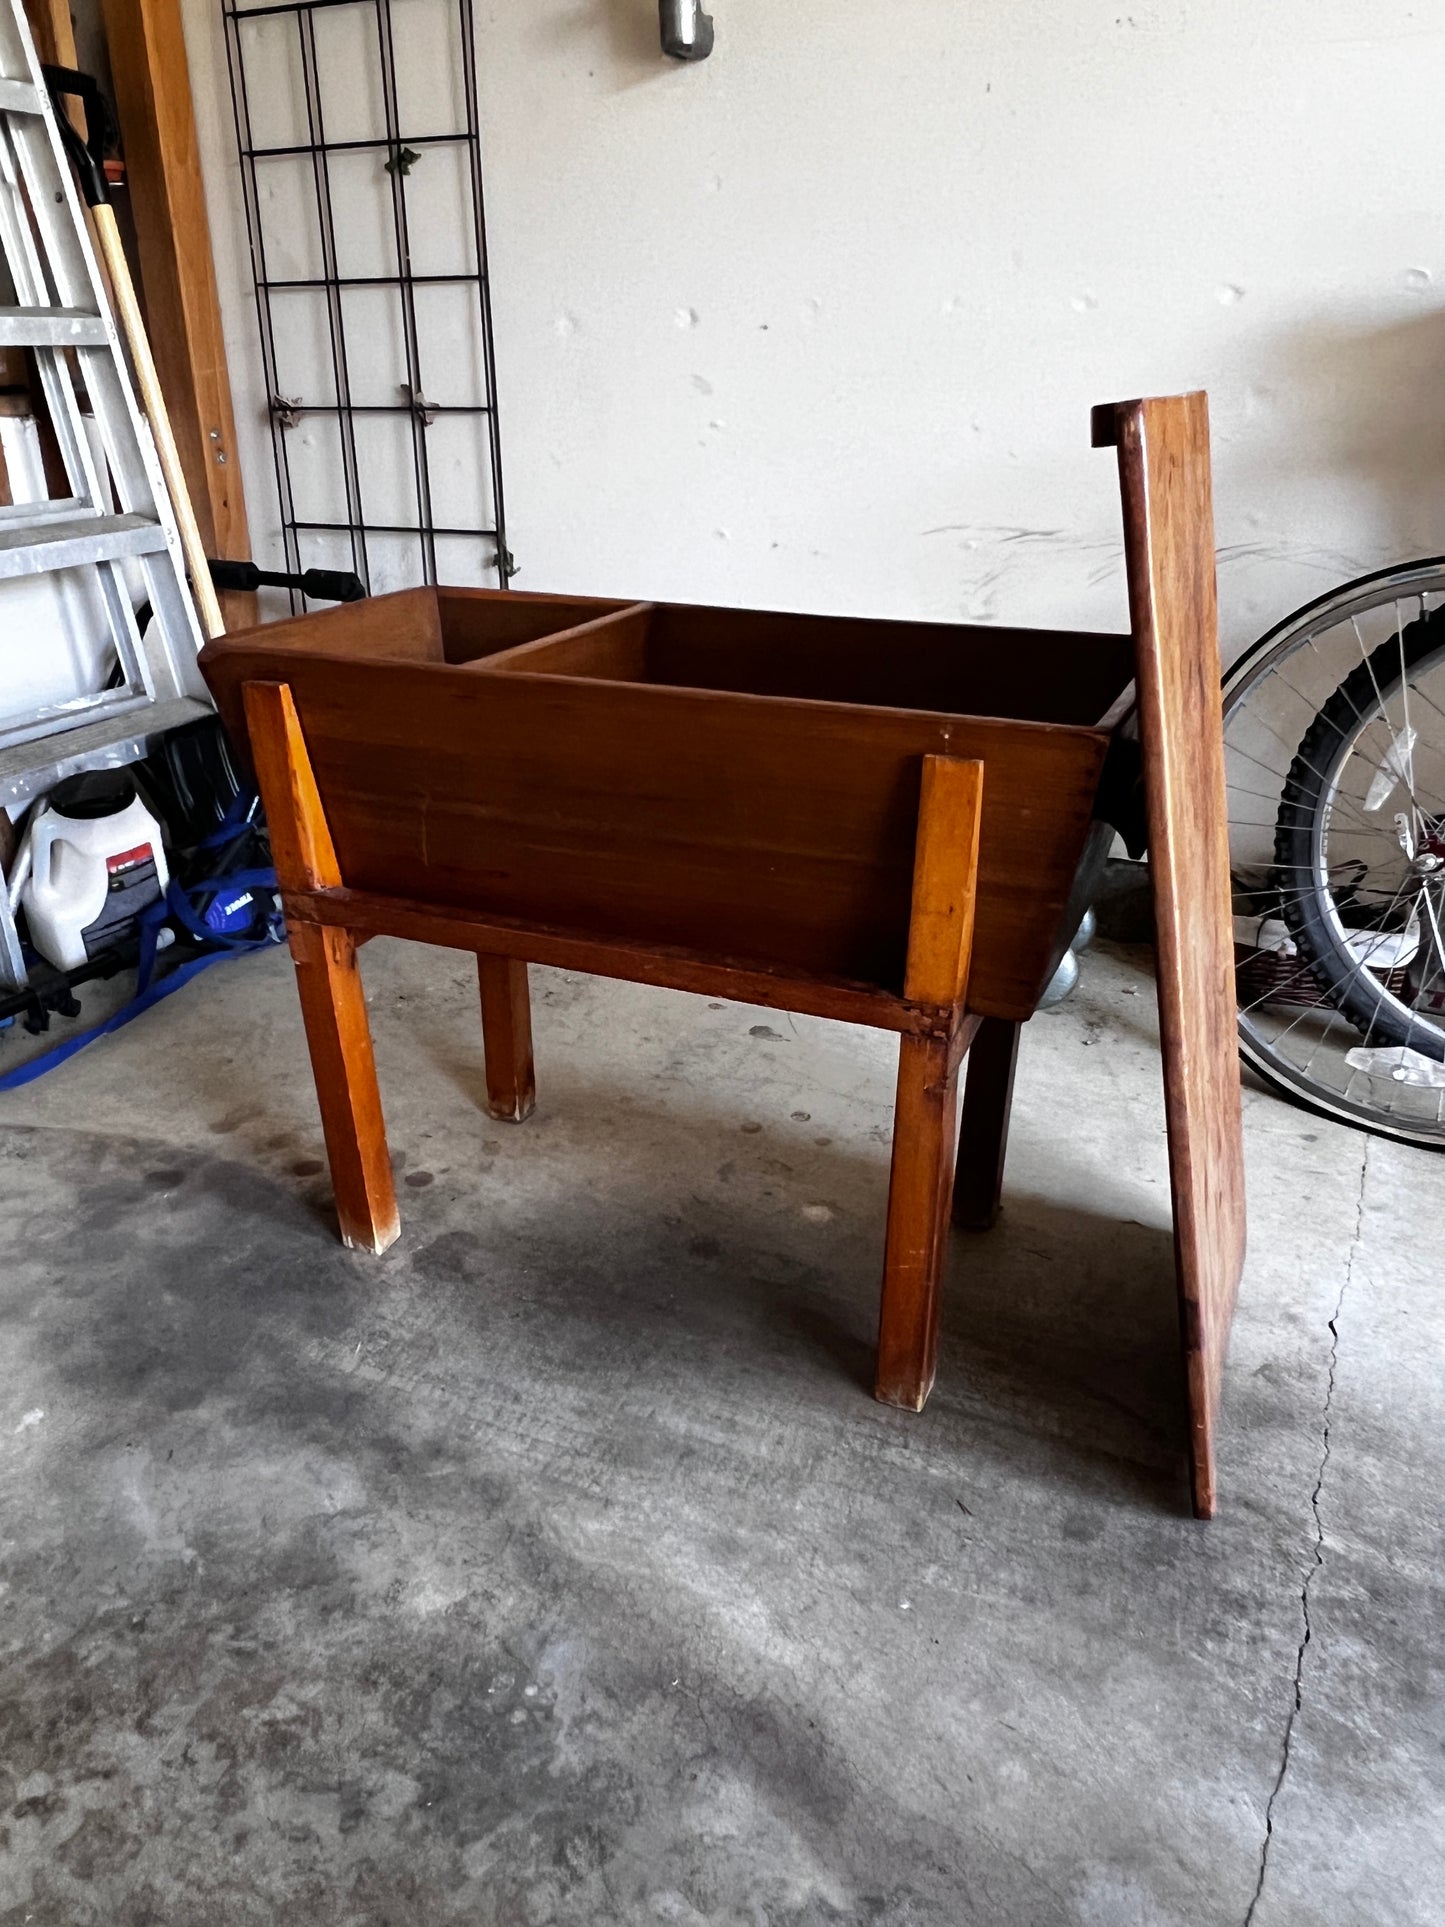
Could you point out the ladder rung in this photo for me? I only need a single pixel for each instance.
(51, 328)
(19, 97)
(52, 508)
(53, 304)
(78, 544)
(68, 750)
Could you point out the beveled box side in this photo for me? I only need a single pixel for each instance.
(772, 831)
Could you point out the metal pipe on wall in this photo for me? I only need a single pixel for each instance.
(687, 32)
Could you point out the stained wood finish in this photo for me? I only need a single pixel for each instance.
(945, 880)
(1169, 544)
(167, 204)
(612, 648)
(983, 1132)
(507, 1037)
(482, 622)
(404, 627)
(746, 829)
(660, 964)
(1035, 675)
(924, 1123)
(461, 627)
(333, 1004)
(1032, 675)
(940, 930)
(338, 1036)
(787, 811)
(301, 846)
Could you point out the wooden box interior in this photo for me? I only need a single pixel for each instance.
(1072, 677)
(1030, 675)
(730, 782)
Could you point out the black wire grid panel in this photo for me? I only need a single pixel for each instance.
(360, 150)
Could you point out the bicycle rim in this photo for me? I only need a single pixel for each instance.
(1291, 970)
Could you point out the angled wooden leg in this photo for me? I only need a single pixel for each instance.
(917, 1242)
(507, 1037)
(988, 1089)
(940, 936)
(333, 1009)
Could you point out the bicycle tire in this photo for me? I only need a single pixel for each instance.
(1357, 597)
(1347, 983)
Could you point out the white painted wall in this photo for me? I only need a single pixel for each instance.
(818, 323)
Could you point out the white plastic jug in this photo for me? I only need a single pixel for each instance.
(96, 861)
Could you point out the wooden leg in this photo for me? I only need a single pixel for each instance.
(339, 1037)
(988, 1089)
(507, 1037)
(924, 1127)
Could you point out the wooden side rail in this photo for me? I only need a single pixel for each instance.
(668, 967)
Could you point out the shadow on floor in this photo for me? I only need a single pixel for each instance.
(1060, 1325)
(1060, 1322)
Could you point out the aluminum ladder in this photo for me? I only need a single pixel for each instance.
(116, 516)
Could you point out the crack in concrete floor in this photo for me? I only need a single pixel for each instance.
(1318, 1549)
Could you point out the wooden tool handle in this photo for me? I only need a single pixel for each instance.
(133, 328)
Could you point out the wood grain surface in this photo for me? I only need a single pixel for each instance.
(925, 1112)
(166, 201)
(754, 830)
(1040, 675)
(667, 965)
(301, 847)
(1169, 543)
(945, 881)
(940, 932)
(333, 1004)
(507, 1037)
(612, 647)
(983, 1129)
(472, 623)
(788, 811)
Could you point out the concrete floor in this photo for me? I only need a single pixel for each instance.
(557, 1567)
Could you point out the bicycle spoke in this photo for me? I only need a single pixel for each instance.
(1264, 796)
(1359, 715)
(1309, 870)
(1336, 1016)
(1344, 880)
(1372, 828)
(1308, 1010)
(1437, 957)
(1378, 768)
(1301, 974)
(1429, 704)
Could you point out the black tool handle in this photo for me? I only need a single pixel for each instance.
(86, 151)
(322, 585)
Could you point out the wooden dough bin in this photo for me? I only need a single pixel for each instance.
(889, 823)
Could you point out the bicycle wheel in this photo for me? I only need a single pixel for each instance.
(1335, 756)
